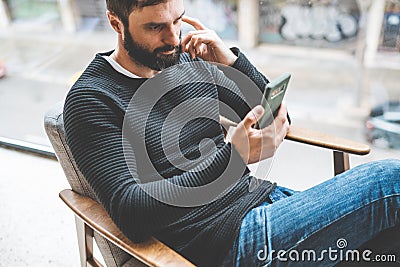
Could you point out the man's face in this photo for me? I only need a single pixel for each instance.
(154, 59)
(153, 38)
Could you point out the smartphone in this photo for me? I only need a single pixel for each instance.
(272, 99)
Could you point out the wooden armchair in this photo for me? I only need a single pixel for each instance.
(92, 221)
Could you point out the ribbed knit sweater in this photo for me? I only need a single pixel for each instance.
(94, 113)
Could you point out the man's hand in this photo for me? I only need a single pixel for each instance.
(206, 44)
(255, 145)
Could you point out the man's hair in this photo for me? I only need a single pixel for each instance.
(123, 8)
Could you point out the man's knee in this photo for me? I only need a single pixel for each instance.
(389, 169)
(385, 171)
(392, 166)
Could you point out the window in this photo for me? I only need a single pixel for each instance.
(390, 34)
(309, 23)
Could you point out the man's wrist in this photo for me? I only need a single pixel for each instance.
(234, 56)
(229, 58)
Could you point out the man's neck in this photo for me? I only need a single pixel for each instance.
(122, 58)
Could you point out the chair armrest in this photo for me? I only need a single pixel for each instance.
(151, 252)
(310, 137)
(315, 138)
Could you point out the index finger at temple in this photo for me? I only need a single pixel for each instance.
(194, 22)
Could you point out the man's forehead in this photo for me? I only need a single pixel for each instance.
(159, 13)
(143, 3)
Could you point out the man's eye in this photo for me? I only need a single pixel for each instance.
(155, 27)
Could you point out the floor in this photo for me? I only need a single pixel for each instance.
(37, 229)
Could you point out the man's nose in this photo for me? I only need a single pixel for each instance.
(171, 36)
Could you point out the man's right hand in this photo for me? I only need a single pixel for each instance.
(206, 44)
(255, 145)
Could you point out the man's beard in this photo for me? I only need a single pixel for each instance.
(154, 60)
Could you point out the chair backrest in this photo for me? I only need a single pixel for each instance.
(54, 126)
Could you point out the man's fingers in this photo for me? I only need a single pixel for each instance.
(195, 34)
(188, 41)
(253, 116)
(282, 114)
(194, 22)
(282, 123)
(195, 44)
(283, 109)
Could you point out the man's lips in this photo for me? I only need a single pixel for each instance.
(168, 52)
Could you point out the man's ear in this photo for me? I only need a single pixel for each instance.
(115, 22)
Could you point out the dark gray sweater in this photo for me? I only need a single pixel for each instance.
(103, 137)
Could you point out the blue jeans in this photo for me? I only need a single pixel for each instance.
(328, 223)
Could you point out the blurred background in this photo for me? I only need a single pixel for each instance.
(344, 57)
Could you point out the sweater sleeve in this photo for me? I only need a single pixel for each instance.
(240, 87)
(246, 67)
(93, 124)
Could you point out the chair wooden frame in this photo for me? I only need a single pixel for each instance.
(341, 147)
(91, 216)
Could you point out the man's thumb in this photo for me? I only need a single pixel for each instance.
(253, 116)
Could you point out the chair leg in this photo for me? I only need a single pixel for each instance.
(341, 162)
(85, 243)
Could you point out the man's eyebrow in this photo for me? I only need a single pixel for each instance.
(162, 23)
